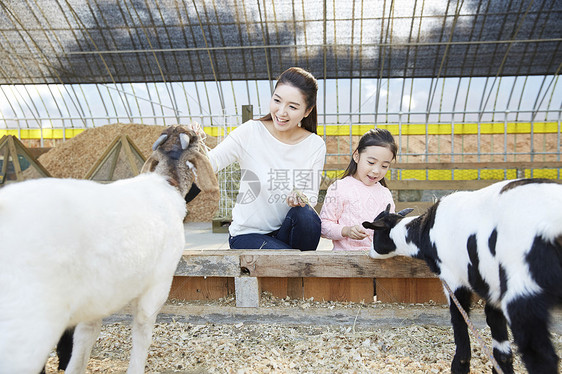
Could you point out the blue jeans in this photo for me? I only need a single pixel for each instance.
(299, 230)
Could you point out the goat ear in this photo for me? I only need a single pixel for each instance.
(405, 212)
(375, 225)
(206, 178)
(150, 164)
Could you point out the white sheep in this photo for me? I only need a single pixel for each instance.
(75, 251)
(505, 243)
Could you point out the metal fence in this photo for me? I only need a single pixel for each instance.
(441, 137)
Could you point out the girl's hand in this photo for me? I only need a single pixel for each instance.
(296, 199)
(354, 232)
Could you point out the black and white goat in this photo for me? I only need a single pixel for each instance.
(75, 251)
(503, 242)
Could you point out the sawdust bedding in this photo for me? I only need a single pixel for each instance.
(273, 348)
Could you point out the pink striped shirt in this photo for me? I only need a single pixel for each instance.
(349, 202)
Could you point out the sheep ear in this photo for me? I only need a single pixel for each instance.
(184, 140)
(206, 178)
(405, 212)
(159, 141)
(149, 165)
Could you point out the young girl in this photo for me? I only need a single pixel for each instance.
(361, 194)
(281, 158)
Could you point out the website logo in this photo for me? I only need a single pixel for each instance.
(249, 187)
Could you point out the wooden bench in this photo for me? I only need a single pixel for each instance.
(323, 275)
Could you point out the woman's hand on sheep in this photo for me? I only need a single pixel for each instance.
(354, 232)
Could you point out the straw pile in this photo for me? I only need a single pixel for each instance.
(75, 157)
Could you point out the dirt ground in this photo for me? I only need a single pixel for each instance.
(296, 336)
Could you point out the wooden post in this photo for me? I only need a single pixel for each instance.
(15, 160)
(247, 292)
(4, 170)
(247, 113)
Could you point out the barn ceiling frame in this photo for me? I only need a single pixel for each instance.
(74, 63)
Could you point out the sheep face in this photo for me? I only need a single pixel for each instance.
(383, 244)
(175, 140)
(177, 156)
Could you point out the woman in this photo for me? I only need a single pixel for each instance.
(281, 158)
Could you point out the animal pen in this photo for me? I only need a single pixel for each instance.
(469, 89)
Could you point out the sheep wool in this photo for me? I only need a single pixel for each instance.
(74, 251)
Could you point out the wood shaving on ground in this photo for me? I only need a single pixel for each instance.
(273, 348)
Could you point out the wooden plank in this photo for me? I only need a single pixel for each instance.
(126, 141)
(4, 171)
(478, 165)
(209, 264)
(461, 165)
(419, 207)
(339, 289)
(118, 147)
(283, 287)
(455, 185)
(466, 185)
(201, 288)
(295, 288)
(14, 156)
(278, 287)
(330, 264)
(420, 290)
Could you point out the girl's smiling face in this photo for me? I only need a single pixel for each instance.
(287, 107)
(372, 164)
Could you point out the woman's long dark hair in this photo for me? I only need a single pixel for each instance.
(376, 137)
(306, 83)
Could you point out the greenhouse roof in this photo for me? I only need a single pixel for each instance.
(97, 41)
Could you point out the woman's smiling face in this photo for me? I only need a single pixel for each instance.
(287, 107)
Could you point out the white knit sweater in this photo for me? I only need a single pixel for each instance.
(270, 171)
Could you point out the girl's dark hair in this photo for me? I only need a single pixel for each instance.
(306, 83)
(376, 137)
